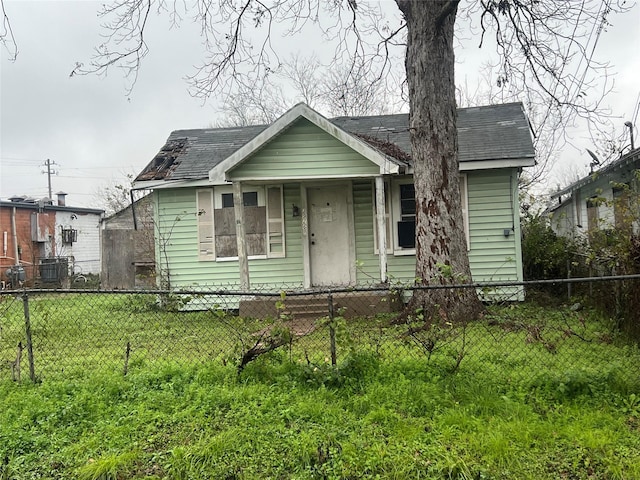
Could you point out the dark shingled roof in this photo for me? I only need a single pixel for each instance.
(495, 132)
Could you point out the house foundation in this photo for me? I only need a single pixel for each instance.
(314, 306)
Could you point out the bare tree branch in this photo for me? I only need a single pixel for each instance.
(7, 39)
(125, 31)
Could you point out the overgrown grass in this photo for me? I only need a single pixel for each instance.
(539, 393)
(363, 419)
(81, 334)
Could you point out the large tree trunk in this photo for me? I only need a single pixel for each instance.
(441, 249)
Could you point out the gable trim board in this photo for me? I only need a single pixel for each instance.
(368, 174)
(221, 171)
(493, 164)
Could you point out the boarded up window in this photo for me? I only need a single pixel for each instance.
(255, 231)
(263, 223)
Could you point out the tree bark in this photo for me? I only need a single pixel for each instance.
(441, 248)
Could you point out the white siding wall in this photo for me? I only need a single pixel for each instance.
(571, 218)
(85, 252)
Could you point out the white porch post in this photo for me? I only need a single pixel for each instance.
(304, 220)
(243, 261)
(381, 224)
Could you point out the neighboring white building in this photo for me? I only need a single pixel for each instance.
(598, 201)
(78, 238)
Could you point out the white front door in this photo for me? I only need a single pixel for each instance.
(329, 242)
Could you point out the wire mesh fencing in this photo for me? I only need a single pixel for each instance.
(62, 334)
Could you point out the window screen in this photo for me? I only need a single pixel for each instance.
(250, 199)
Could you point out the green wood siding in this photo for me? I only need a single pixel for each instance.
(368, 269)
(304, 151)
(493, 257)
(491, 210)
(187, 270)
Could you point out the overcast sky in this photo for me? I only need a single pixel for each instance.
(96, 134)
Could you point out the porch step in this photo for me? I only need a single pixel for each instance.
(313, 307)
(306, 308)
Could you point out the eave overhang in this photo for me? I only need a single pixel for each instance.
(474, 165)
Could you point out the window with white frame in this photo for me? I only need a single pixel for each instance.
(401, 215)
(406, 224)
(263, 222)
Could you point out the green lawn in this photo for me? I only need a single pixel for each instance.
(538, 393)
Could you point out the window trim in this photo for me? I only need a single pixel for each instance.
(201, 224)
(270, 220)
(215, 202)
(393, 214)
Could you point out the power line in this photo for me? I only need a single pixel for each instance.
(38, 160)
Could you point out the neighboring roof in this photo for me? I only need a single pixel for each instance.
(485, 134)
(50, 207)
(626, 161)
(141, 202)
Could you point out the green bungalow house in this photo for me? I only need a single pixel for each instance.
(312, 202)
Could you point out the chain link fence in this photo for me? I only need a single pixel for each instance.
(74, 333)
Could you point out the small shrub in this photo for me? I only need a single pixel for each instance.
(140, 303)
(351, 373)
(545, 255)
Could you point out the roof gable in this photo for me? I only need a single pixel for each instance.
(220, 171)
(303, 151)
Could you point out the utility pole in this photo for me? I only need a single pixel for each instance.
(48, 164)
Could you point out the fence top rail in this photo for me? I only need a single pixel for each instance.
(323, 291)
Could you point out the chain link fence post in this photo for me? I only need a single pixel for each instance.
(27, 331)
(332, 331)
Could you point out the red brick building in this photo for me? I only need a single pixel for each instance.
(38, 235)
